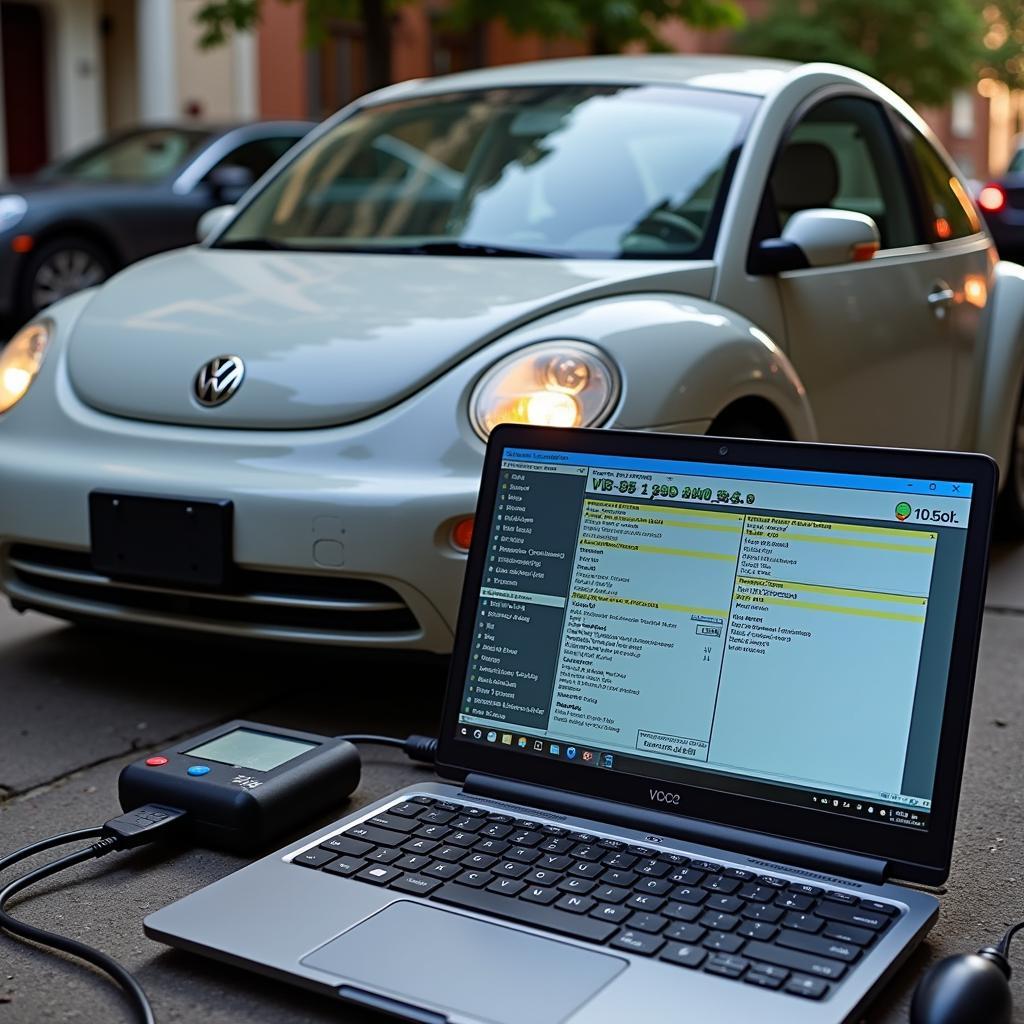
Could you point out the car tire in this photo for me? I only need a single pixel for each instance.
(1010, 507)
(61, 267)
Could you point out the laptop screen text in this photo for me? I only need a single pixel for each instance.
(771, 632)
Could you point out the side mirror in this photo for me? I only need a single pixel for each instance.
(229, 182)
(212, 221)
(818, 238)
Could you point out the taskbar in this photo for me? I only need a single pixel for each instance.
(882, 811)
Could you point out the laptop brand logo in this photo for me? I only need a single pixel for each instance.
(663, 796)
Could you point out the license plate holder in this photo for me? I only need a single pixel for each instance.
(180, 541)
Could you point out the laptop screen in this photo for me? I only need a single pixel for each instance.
(769, 632)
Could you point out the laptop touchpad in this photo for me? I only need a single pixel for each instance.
(442, 960)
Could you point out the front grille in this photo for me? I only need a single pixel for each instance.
(289, 605)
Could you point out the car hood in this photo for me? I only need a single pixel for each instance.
(326, 338)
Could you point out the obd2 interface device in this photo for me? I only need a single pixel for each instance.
(244, 784)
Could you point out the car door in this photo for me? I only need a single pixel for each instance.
(869, 339)
(961, 260)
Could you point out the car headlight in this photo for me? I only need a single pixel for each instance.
(12, 209)
(19, 363)
(552, 384)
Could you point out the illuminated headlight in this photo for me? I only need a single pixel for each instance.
(553, 384)
(12, 209)
(19, 363)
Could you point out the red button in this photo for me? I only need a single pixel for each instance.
(155, 762)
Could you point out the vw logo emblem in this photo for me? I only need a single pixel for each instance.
(218, 380)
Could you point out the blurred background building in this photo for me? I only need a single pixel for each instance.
(75, 70)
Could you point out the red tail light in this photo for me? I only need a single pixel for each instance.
(992, 198)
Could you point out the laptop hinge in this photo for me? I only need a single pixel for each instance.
(774, 850)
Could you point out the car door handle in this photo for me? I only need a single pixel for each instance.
(941, 294)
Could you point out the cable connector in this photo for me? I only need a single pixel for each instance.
(139, 826)
(420, 748)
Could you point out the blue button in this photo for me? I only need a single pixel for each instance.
(199, 769)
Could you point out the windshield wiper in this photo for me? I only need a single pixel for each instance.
(453, 247)
(257, 244)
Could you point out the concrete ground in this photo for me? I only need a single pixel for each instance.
(76, 705)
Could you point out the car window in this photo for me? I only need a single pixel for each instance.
(950, 213)
(142, 156)
(1016, 162)
(842, 155)
(581, 171)
(258, 155)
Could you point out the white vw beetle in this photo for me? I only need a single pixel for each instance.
(670, 243)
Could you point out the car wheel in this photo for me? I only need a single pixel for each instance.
(60, 268)
(1010, 510)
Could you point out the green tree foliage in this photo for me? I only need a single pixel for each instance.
(605, 25)
(923, 49)
(1003, 42)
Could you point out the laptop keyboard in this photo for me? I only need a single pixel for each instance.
(764, 930)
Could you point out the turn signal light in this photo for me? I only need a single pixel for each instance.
(462, 534)
(992, 198)
(864, 251)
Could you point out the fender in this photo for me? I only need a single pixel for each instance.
(683, 359)
(999, 371)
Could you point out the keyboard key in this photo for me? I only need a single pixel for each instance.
(653, 923)
(436, 816)
(833, 970)
(508, 868)
(762, 912)
(719, 883)
(610, 912)
(842, 897)
(687, 876)
(650, 866)
(554, 830)
(464, 839)
(803, 922)
(412, 862)
(482, 861)
(435, 832)
(426, 800)
(576, 904)
(587, 869)
(420, 845)
(706, 865)
(440, 869)
(717, 922)
(611, 844)
(726, 904)
(802, 889)
(809, 988)
(682, 911)
(874, 906)
(758, 893)
(818, 945)
(688, 894)
(523, 854)
(580, 886)
(794, 901)
(852, 915)
(638, 942)
(722, 942)
(774, 881)
(617, 877)
(379, 874)
(346, 865)
(644, 901)
(408, 809)
(684, 931)
(762, 980)
(577, 925)
(848, 933)
(378, 837)
(557, 844)
(495, 847)
(506, 886)
(418, 884)
(495, 830)
(757, 930)
(725, 965)
(384, 855)
(342, 844)
(451, 854)
(770, 970)
(540, 876)
(474, 879)
(541, 894)
(583, 837)
(315, 858)
(553, 861)
(587, 851)
(464, 823)
(525, 837)
(501, 819)
(740, 873)
(683, 955)
(657, 886)
(618, 859)
(473, 812)
(393, 822)
(611, 894)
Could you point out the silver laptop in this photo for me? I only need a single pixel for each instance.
(707, 710)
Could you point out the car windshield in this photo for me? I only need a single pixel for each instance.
(598, 172)
(142, 156)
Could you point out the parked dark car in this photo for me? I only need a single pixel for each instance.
(1002, 204)
(137, 193)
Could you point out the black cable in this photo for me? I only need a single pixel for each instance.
(101, 961)
(416, 747)
(48, 844)
(1004, 942)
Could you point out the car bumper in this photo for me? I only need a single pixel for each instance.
(341, 536)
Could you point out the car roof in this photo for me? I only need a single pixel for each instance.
(755, 76)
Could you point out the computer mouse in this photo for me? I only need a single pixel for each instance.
(965, 989)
